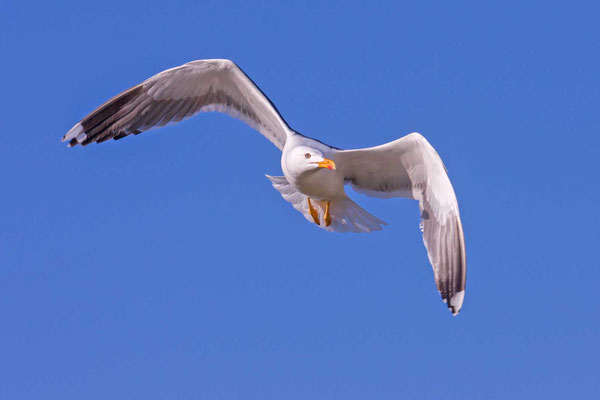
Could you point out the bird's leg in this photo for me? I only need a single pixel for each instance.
(313, 212)
(327, 214)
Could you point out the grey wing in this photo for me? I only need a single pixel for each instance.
(178, 93)
(410, 167)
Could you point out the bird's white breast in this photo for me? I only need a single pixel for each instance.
(320, 184)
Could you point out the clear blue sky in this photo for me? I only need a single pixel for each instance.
(165, 266)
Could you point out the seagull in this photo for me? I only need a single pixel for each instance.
(314, 174)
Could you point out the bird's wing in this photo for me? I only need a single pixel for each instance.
(410, 167)
(178, 93)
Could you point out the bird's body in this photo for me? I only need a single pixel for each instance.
(315, 174)
(319, 184)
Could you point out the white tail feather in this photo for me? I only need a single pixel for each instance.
(346, 215)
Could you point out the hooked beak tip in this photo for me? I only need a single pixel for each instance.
(326, 163)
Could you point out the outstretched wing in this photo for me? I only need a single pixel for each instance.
(178, 93)
(410, 167)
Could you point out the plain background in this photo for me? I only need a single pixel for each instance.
(165, 266)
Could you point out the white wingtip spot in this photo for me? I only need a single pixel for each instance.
(81, 137)
(456, 301)
(73, 133)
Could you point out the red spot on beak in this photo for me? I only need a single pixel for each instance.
(329, 164)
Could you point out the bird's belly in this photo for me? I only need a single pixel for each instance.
(320, 185)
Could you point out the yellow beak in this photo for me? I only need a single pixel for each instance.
(326, 163)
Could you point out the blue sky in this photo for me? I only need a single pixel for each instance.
(149, 268)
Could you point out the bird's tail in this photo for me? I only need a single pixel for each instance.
(346, 215)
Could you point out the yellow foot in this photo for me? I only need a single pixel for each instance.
(327, 214)
(313, 212)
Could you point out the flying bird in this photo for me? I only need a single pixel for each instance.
(314, 174)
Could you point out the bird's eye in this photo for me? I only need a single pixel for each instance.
(307, 155)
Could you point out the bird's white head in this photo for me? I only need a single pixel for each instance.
(302, 159)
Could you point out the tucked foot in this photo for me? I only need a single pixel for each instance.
(327, 214)
(313, 212)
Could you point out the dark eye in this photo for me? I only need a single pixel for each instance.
(307, 155)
